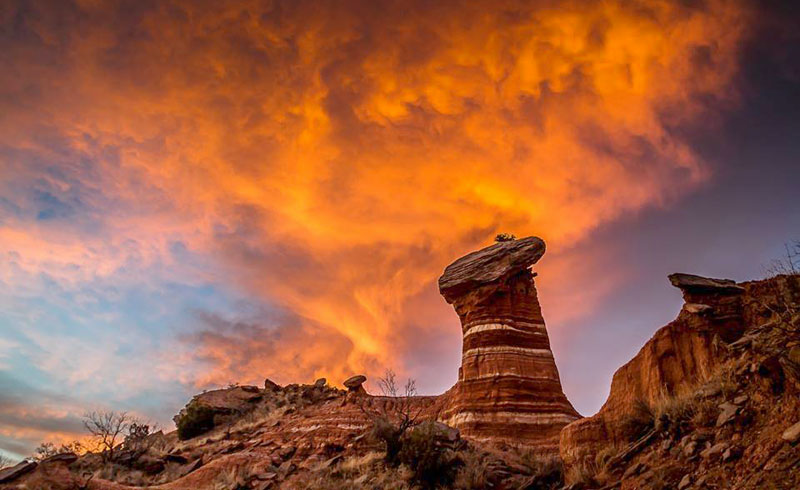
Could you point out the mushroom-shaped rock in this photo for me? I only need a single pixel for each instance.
(693, 284)
(489, 264)
(508, 388)
(354, 383)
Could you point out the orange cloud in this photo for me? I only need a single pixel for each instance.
(330, 159)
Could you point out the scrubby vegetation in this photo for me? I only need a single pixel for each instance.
(505, 237)
(196, 420)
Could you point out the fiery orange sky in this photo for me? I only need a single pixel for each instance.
(198, 193)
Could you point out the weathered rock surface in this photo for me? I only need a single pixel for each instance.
(681, 354)
(14, 472)
(693, 284)
(508, 388)
(211, 408)
(720, 329)
(503, 259)
(353, 383)
(792, 434)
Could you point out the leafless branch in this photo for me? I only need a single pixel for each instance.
(788, 264)
(107, 428)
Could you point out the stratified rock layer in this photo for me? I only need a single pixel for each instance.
(681, 355)
(508, 389)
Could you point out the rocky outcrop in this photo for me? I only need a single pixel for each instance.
(508, 388)
(681, 356)
(13, 472)
(209, 409)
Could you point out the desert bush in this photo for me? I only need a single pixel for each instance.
(432, 464)
(474, 471)
(391, 421)
(673, 414)
(582, 474)
(390, 435)
(640, 420)
(548, 474)
(196, 420)
(47, 449)
(705, 413)
(788, 264)
(139, 438)
(605, 455)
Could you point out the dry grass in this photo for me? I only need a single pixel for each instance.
(475, 472)
(359, 473)
(582, 473)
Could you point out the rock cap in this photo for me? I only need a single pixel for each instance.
(489, 264)
(691, 283)
(353, 383)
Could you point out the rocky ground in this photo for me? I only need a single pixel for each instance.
(711, 401)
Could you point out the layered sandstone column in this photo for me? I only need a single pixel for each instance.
(508, 390)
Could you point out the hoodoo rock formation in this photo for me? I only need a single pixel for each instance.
(508, 387)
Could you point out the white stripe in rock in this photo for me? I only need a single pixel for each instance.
(485, 327)
(505, 349)
(511, 417)
(512, 375)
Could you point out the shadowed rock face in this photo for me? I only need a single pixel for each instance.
(508, 390)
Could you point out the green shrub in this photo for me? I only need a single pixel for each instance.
(196, 420)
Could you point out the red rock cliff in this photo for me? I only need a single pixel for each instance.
(680, 356)
(508, 389)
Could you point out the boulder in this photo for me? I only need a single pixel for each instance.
(354, 383)
(270, 385)
(714, 451)
(208, 409)
(727, 414)
(320, 383)
(65, 458)
(14, 472)
(792, 434)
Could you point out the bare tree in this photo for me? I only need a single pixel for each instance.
(788, 264)
(395, 413)
(5, 461)
(107, 428)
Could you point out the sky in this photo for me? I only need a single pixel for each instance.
(194, 194)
